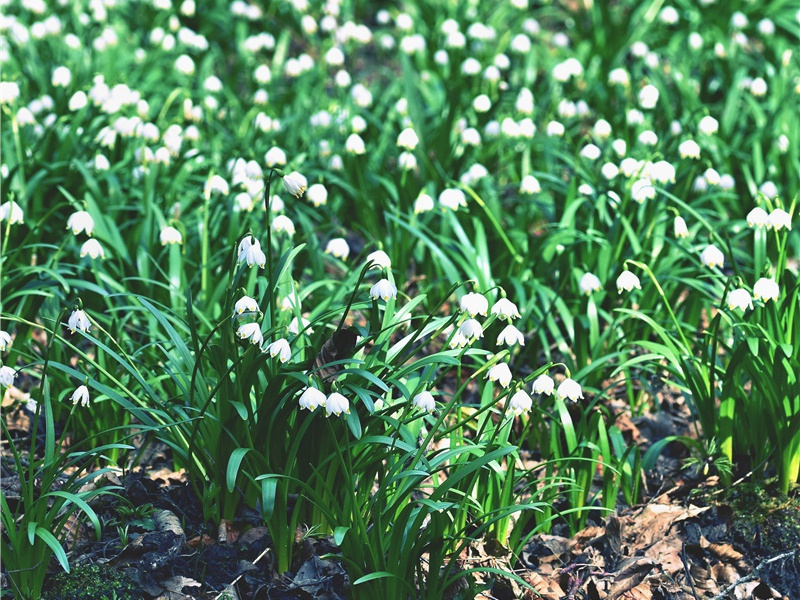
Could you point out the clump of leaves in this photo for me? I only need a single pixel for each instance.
(91, 582)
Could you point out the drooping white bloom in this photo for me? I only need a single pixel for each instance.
(505, 309)
(7, 375)
(80, 221)
(689, 149)
(642, 189)
(9, 92)
(184, 64)
(216, 184)
(380, 259)
(81, 394)
(283, 224)
(520, 402)
(336, 404)
(250, 252)
(424, 401)
(471, 329)
(252, 332)
(708, 125)
(408, 139)
(609, 170)
(510, 336)
(62, 77)
(544, 384)
(766, 289)
(555, 129)
(78, 100)
(78, 320)
(619, 76)
(294, 183)
(530, 185)
(423, 203)
(500, 373)
(627, 281)
(275, 157)
(170, 235)
(661, 171)
(680, 228)
(757, 217)
(459, 340)
(739, 298)
(384, 290)
(317, 194)
(712, 256)
(590, 283)
(354, 144)
(311, 398)
(92, 248)
(246, 304)
(571, 389)
(474, 304)
(338, 247)
(780, 219)
(452, 198)
(590, 152)
(5, 341)
(758, 87)
(711, 176)
(281, 349)
(12, 212)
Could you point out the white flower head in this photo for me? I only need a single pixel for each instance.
(757, 217)
(78, 320)
(520, 402)
(252, 332)
(311, 398)
(627, 281)
(501, 373)
(294, 183)
(471, 329)
(380, 259)
(246, 304)
(338, 247)
(474, 304)
(384, 290)
(530, 185)
(590, 283)
(510, 336)
(408, 139)
(505, 309)
(712, 257)
(251, 253)
(569, 388)
(283, 224)
(766, 289)
(708, 125)
(423, 203)
(424, 401)
(170, 235)
(452, 198)
(336, 404)
(5, 341)
(689, 149)
(7, 375)
(317, 194)
(93, 249)
(81, 221)
(544, 384)
(780, 219)
(281, 349)
(81, 394)
(740, 298)
(12, 212)
(459, 340)
(680, 228)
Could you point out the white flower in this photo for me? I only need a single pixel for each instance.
(555, 129)
(530, 185)
(459, 340)
(338, 247)
(281, 224)
(544, 385)
(252, 332)
(81, 394)
(758, 87)
(779, 219)
(250, 252)
(295, 326)
(295, 184)
(170, 235)
(311, 398)
(712, 256)
(78, 320)
(739, 298)
(424, 401)
(510, 336)
(12, 212)
(78, 100)
(520, 402)
(336, 404)
(275, 156)
(452, 199)
(62, 77)
(642, 189)
(708, 125)
(505, 309)
(280, 348)
(5, 341)
(317, 194)
(500, 373)
(680, 228)
(590, 283)
(627, 281)
(184, 64)
(380, 259)
(609, 170)
(689, 149)
(648, 97)
(93, 248)
(474, 304)
(619, 76)
(354, 144)
(216, 184)
(757, 217)
(9, 92)
(711, 176)
(80, 221)
(7, 375)
(766, 289)
(384, 289)
(423, 203)
(569, 388)
(590, 152)
(471, 329)
(246, 304)
(408, 139)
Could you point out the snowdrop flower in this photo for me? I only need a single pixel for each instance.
(505, 309)
(634, 117)
(471, 329)
(555, 129)
(380, 259)
(423, 203)
(727, 182)
(648, 138)
(708, 125)
(78, 101)
(758, 87)
(317, 194)
(384, 290)
(662, 171)
(281, 349)
(739, 20)
(530, 185)
(620, 147)
(590, 283)
(408, 139)
(712, 257)
(295, 326)
(184, 64)
(5, 341)
(520, 402)
(471, 137)
(474, 304)
(740, 298)
(679, 227)
(766, 289)
(81, 394)
(482, 103)
(80, 221)
(543, 385)
(510, 336)
(565, 70)
(757, 217)
(336, 404)
(711, 176)
(170, 235)
(9, 92)
(642, 189)
(452, 198)
(585, 189)
(283, 224)
(355, 144)
(78, 320)
(609, 170)
(246, 304)
(648, 96)
(769, 189)
(93, 248)
(627, 281)
(12, 212)
(689, 149)
(459, 340)
(407, 161)
(619, 76)
(62, 77)
(250, 252)
(590, 152)
(602, 129)
(569, 388)
(338, 247)
(669, 15)
(252, 332)
(766, 27)
(7, 375)
(294, 183)
(275, 157)
(311, 398)
(216, 184)
(501, 374)
(424, 401)
(780, 219)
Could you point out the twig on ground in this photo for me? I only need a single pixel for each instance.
(754, 573)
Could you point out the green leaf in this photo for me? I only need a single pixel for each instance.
(235, 461)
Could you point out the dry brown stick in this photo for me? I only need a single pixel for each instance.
(754, 573)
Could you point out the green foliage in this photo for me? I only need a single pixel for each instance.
(90, 582)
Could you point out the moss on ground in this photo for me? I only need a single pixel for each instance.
(92, 582)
